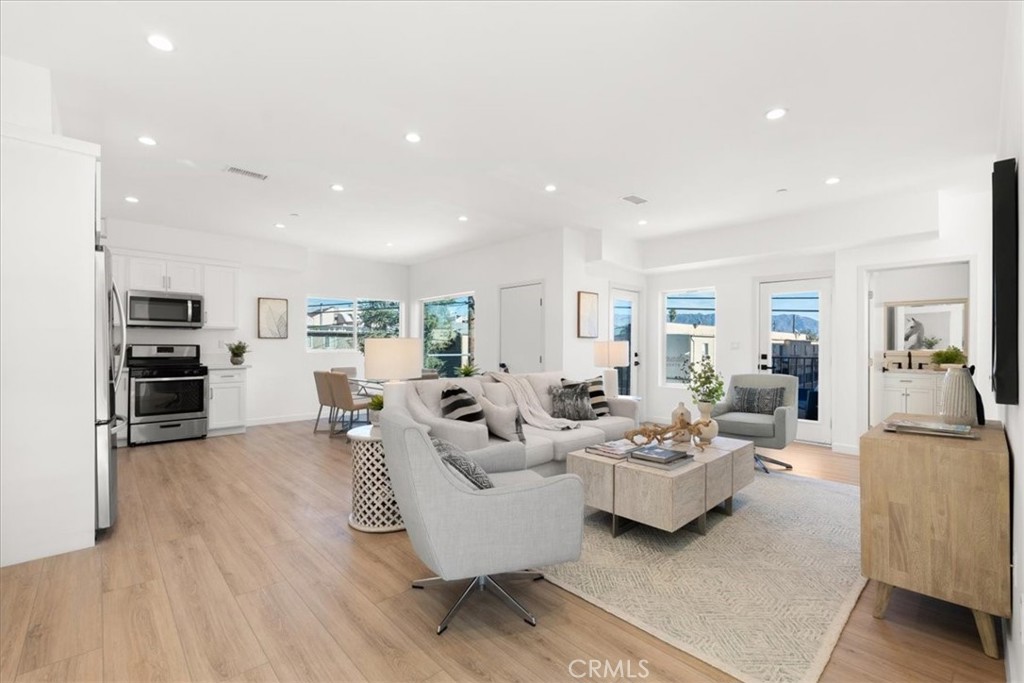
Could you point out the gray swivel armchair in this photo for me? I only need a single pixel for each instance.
(462, 532)
(766, 431)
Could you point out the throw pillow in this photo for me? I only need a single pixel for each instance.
(505, 422)
(572, 402)
(459, 404)
(455, 457)
(763, 400)
(598, 401)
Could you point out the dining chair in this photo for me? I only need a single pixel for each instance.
(346, 402)
(357, 387)
(326, 398)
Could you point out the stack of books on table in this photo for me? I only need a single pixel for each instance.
(659, 456)
(613, 449)
(931, 428)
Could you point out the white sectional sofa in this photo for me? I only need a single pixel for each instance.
(545, 449)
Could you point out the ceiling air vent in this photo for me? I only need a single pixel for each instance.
(244, 173)
(633, 199)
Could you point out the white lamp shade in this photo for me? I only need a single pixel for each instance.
(394, 358)
(611, 354)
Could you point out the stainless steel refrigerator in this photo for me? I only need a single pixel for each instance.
(110, 337)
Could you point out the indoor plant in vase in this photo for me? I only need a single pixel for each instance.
(468, 370)
(707, 388)
(238, 351)
(376, 405)
(950, 357)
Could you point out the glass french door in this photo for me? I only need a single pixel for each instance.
(794, 339)
(625, 317)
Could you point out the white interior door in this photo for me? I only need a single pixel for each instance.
(795, 324)
(521, 345)
(625, 317)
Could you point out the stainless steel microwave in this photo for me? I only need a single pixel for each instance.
(164, 309)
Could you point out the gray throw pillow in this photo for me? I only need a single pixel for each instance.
(455, 457)
(572, 402)
(503, 421)
(459, 404)
(762, 400)
(598, 400)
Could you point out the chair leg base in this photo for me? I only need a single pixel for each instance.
(760, 460)
(482, 583)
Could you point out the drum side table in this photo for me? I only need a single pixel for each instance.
(374, 508)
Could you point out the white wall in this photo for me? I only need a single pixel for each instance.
(1010, 143)
(558, 259)
(280, 381)
(25, 95)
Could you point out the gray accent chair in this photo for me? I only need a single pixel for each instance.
(766, 431)
(461, 532)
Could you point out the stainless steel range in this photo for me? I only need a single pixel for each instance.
(168, 393)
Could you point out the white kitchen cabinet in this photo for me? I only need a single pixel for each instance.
(220, 296)
(911, 392)
(227, 401)
(162, 275)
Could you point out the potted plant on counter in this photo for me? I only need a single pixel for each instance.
(238, 351)
(950, 357)
(708, 388)
(376, 405)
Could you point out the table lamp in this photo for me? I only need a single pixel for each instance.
(611, 354)
(393, 359)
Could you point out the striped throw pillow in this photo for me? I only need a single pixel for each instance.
(762, 400)
(595, 387)
(459, 404)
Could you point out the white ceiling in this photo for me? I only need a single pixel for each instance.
(603, 99)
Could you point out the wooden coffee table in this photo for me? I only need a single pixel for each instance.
(665, 499)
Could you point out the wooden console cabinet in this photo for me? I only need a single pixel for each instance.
(935, 519)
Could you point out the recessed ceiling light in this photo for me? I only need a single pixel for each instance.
(412, 137)
(132, 200)
(160, 43)
(775, 114)
(390, 244)
(146, 140)
(337, 187)
(641, 222)
(550, 188)
(278, 225)
(832, 181)
(463, 219)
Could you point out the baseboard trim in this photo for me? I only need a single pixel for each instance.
(277, 419)
(846, 449)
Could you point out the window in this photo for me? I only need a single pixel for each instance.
(345, 324)
(448, 334)
(689, 331)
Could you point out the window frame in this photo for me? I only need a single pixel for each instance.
(471, 328)
(356, 337)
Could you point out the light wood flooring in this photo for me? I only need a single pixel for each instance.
(232, 561)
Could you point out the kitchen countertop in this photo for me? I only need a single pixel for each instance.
(226, 366)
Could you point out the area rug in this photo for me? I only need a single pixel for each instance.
(762, 596)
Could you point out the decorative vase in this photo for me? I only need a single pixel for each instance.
(237, 360)
(959, 406)
(707, 427)
(681, 411)
(374, 417)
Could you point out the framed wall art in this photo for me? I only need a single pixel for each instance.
(586, 315)
(272, 318)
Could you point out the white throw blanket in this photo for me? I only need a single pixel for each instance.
(529, 405)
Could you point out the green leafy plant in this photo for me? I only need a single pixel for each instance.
(468, 370)
(239, 348)
(706, 383)
(377, 402)
(949, 356)
(930, 342)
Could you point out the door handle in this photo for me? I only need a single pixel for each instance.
(762, 366)
(636, 364)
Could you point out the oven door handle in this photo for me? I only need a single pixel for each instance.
(169, 379)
